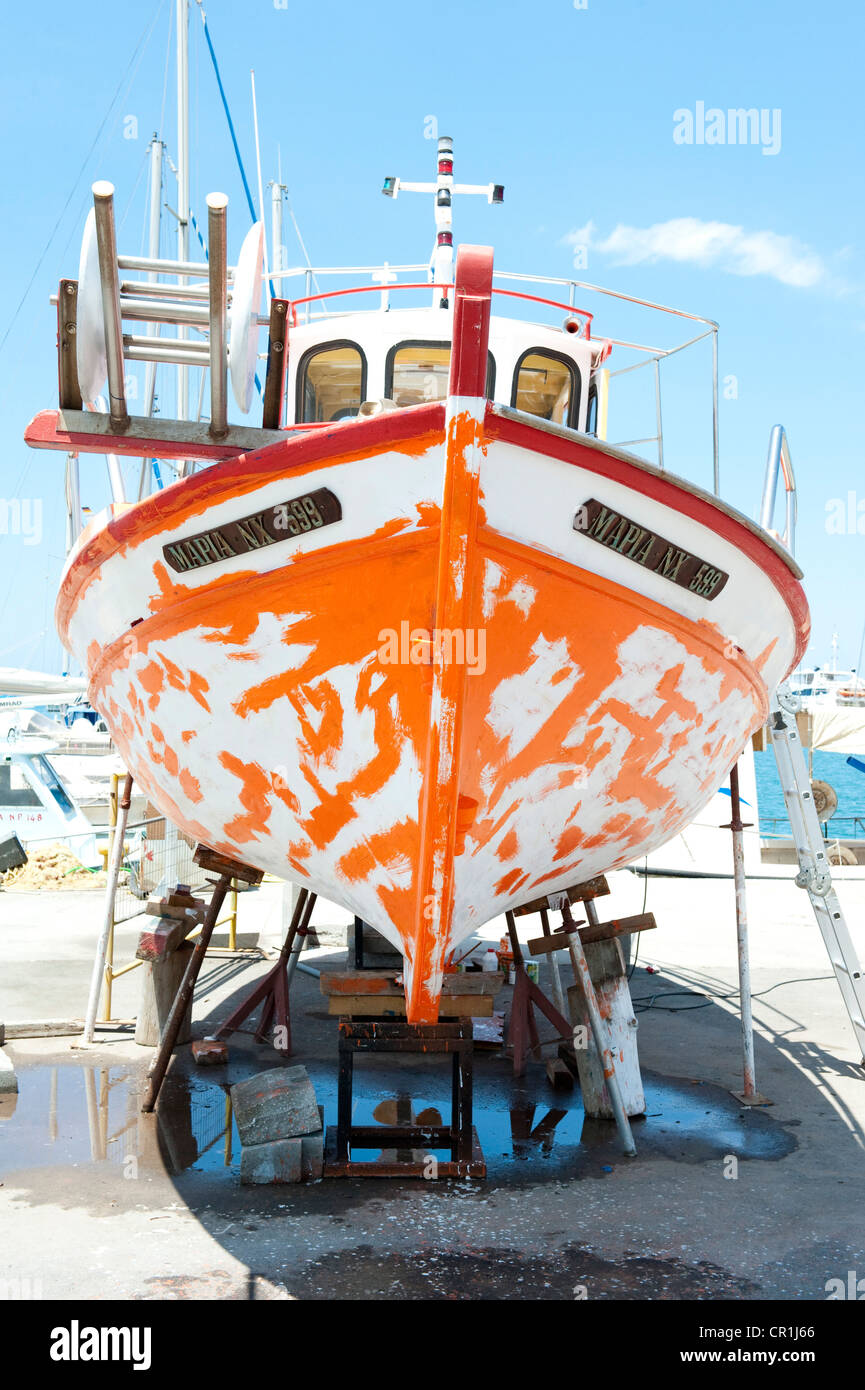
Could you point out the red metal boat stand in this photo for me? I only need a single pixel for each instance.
(227, 869)
(522, 1029)
(272, 991)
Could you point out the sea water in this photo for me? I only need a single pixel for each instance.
(848, 782)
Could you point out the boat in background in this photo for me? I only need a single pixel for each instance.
(37, 806)
(828, 687)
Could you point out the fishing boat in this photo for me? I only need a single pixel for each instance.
(424, 640)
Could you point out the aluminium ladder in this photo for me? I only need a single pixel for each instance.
(814, 875)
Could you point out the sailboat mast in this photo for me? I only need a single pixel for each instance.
(183, 179)
(156, 149)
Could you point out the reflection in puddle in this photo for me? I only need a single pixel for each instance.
(75, 1115)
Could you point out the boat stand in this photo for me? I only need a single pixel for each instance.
(459, 1138)
(272, 991)
(522, 1028)
(227, 869)
(569, 935)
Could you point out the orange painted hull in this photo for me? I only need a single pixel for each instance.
(453, 698)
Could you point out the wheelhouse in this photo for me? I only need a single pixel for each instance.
(346, 365)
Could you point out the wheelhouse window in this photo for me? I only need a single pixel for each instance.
(416, 372)
(592, 411)
(546, 385)
(331, 383)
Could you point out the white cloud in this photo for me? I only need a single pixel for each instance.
(721, 245)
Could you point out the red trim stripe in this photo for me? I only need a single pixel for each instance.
(670, 494)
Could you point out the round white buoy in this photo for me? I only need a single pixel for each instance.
(90, 336)
(243, 316)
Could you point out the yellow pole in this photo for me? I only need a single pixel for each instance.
(603, 401)
(232, 928)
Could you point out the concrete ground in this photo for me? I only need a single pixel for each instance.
(98, 1201)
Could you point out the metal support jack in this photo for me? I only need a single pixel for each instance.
(749, 1095)
(272, 991)
(814, 875)
(459, 1138)
(227, 869)
(582, 975)
(522, 1029)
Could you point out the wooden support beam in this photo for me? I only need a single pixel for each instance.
(620, 926)
(221, 864)
(593, 932)
(579, 893)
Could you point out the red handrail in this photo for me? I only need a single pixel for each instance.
(425, 285)
(359, 289)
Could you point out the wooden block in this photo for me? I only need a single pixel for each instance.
(559, 1075)
(220, 864)
(360, 982)
(158, 942)
(160, 981)
(472, 982)
(384, 982)
(177, 905)
(393, 1006)
(621, 926)
(556, 941)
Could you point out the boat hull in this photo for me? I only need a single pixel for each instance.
(278, 704)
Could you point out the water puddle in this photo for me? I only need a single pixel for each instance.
(86, 1116)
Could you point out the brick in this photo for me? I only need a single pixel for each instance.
(281, 1160)
(209, 1052)
(158, 942)
(275, 1104)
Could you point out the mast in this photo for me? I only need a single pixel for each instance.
(276, 192)
(156, 150)
(441, 271)
(183, 181)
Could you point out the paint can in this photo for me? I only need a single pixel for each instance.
(533, 970)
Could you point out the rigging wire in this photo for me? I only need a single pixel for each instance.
(225, 107)
(138, 52)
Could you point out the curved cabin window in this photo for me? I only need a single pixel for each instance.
(546, 385)
(331, 383)
(416, 372)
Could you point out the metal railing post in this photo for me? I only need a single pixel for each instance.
(660, 426)
(218, 263)
(106, 241)
(716, 442)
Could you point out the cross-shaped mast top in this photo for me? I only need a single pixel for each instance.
(442, 260)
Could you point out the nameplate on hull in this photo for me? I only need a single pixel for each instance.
(300, 515)
(649, 550)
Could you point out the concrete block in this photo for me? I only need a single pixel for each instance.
(8, 1079)
(276, 1104)
(312, 1152)
(279, 1161)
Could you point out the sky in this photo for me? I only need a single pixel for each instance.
(607, 122)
